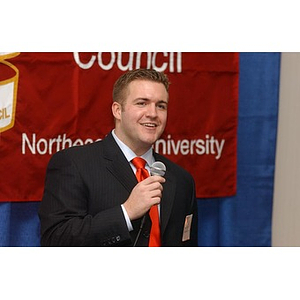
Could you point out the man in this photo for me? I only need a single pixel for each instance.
(97, 194)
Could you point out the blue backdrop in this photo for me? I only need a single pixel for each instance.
(246, 219)
(242, 220)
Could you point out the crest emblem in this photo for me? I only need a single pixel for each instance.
(9, 77)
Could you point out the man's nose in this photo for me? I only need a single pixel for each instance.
(152, 110)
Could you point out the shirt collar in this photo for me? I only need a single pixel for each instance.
(129, 154)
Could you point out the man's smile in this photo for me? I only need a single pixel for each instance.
(149, 125)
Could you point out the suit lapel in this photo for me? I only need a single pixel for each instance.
(168, 197)
(117, 163)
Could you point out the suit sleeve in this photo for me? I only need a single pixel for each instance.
(63, 212)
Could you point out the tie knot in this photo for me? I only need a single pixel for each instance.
(139, 163)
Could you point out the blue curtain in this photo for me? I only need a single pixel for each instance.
(19, 224)
(246, 219)
(242, 220)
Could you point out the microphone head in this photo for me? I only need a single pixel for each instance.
(158, 168)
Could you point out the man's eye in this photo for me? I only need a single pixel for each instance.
(141, 103)
(162, 106)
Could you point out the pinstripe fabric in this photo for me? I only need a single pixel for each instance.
(84, 189)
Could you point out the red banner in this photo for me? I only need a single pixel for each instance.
(51, 101)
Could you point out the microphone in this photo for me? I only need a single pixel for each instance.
(157, 168)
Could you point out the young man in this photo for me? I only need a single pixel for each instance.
(100, 195)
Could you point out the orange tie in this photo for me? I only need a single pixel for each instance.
(141, 174)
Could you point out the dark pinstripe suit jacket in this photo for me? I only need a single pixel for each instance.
(85, 187)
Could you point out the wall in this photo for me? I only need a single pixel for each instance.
(286, 202)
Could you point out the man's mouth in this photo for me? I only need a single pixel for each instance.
(149, 125)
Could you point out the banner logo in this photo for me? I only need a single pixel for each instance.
(8, 90)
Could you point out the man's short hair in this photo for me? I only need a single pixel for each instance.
(120, 86)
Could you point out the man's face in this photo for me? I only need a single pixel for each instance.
(142, 118)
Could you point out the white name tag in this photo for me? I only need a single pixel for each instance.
(187, 228)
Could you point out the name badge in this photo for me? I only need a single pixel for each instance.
(187, 228)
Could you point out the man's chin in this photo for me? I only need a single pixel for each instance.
(147, 143)
(149, 139)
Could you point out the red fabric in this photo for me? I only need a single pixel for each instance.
(141, 174)
(64, 99)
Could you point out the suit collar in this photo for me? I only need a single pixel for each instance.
(117, 163)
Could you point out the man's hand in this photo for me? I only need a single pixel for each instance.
(144, 195)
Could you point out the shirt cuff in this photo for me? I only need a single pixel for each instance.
(128, 222)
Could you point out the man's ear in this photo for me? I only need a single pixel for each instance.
(116, 110)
